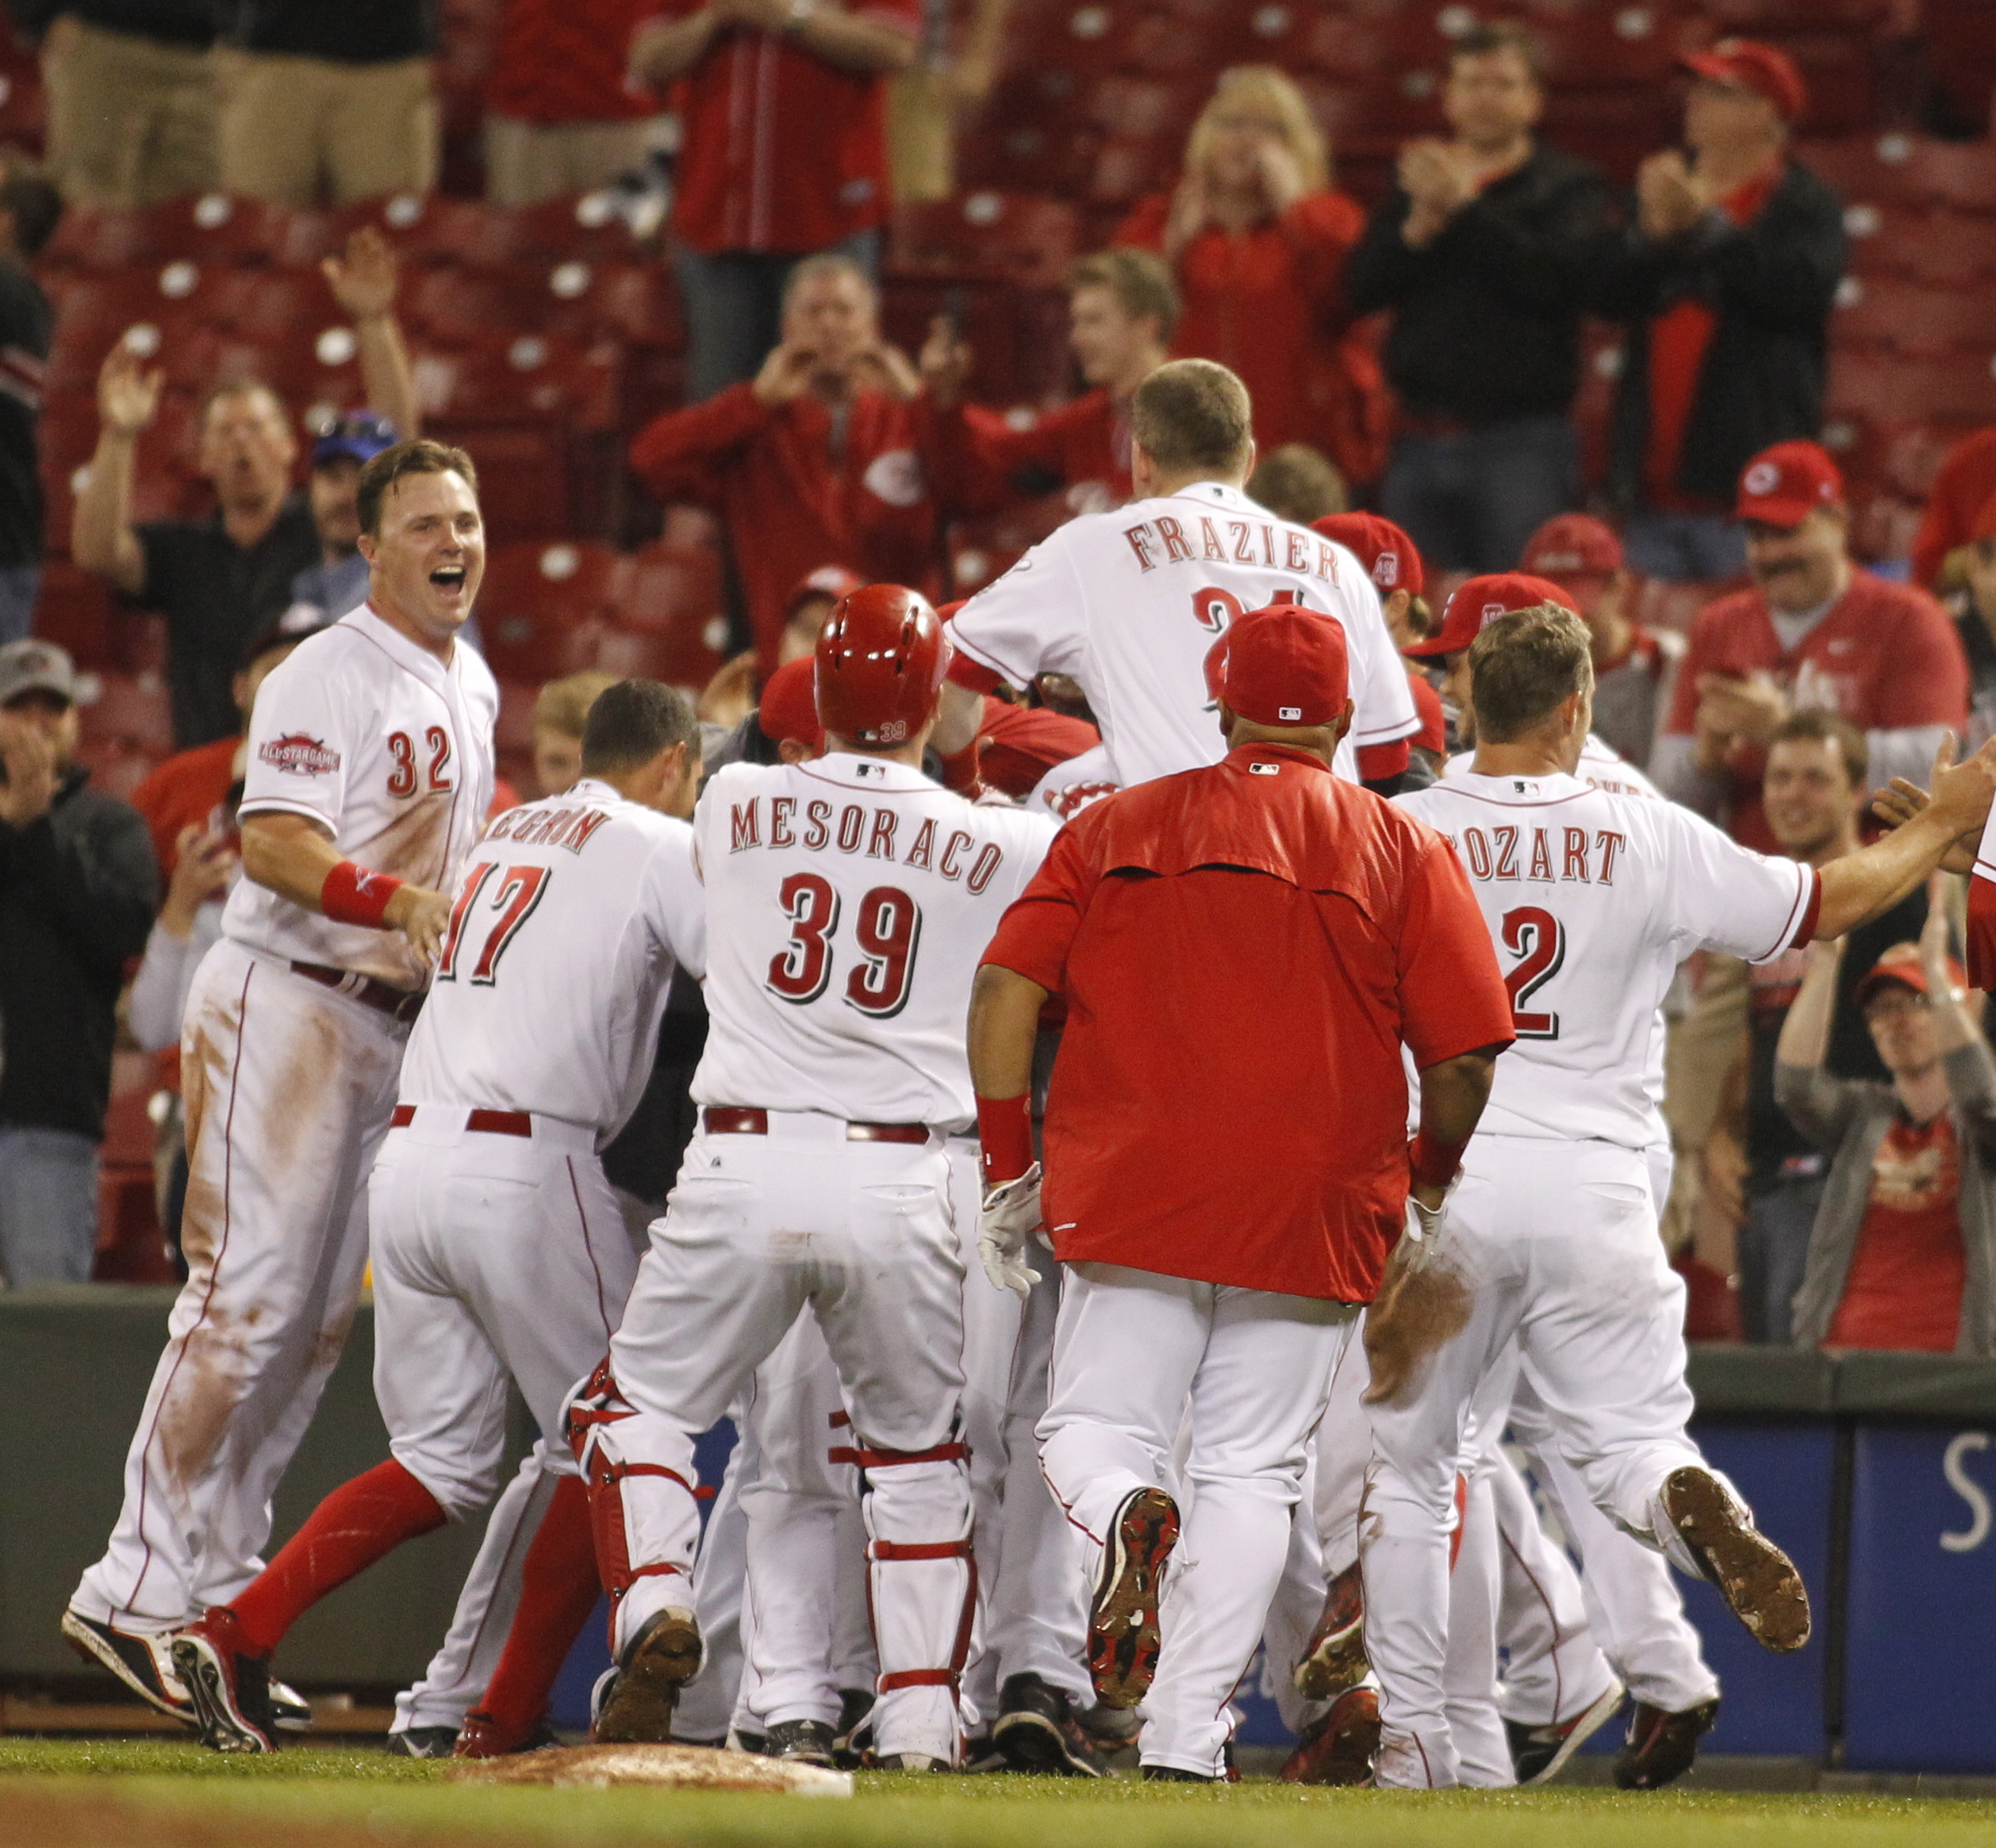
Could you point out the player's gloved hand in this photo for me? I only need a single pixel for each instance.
(1010, 1218)
(1424, 1226)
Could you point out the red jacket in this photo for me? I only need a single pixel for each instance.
(984, 461)
(790, 506)
(1964, 486)
(563, 61)
(1269, 303)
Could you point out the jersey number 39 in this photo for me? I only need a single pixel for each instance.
(1538, 940)
(887, 929)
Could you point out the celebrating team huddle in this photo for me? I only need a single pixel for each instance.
(1121, 1226)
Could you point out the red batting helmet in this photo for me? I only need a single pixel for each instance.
(880, 658)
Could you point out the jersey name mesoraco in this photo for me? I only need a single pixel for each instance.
(1593, 899)
(1129, 604)
(390, 750)
(569, 921)
(849, 901)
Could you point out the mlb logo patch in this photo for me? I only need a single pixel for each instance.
(1289, 712)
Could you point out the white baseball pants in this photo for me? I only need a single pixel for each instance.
(1132, 1352)
(289, 1086)
(1557, 1243)
(759, 1227)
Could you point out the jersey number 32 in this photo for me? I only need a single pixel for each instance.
(887, 929)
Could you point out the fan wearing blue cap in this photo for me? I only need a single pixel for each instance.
(338, 583)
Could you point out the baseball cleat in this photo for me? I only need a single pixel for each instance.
(143, 1663)
(1753, 1575)
(230, 1685)
(481, 1736)
(1123, 1622)
(290, 1709)
(1661, 1746)
(1538, 1754)
(1335, 1660)
(853, 1736)
(803, 1742)
(1037, 1730)
(1340, 1748)
(913, 1762)
(421, 1741)
(637, 1706)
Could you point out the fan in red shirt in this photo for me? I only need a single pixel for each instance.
(1244, 951)
(1962, 490)
(1122, 308)
(819, 462)
(1258, 241)
(783, 152)
(1389, 555)
(1816, 630)
(560, 115)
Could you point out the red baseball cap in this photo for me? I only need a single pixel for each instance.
(832, 580)
(1380, 546)
(789, 709)
(1748, 64)
(1901, 964)
(1573, 545)
(1477, 602)
(1282, 666)
(1782, 486)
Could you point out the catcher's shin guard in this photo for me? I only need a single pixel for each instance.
(643, 1515)
(922, 1588)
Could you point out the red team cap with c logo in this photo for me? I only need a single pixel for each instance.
(1784, 486)
(1386, 552)
(1283, 665)
(1478, 602)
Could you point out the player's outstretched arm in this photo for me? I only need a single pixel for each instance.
(1862, 885)
(295, 858)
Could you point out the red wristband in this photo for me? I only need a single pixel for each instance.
(1005, 1129)
(1433, 1164)
(358, 895)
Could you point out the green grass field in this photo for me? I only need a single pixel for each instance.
(170, 1794)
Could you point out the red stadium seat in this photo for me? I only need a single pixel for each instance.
(75, 609)
(99, 238)
(134, 709)
(529, 379)
(583, 227)
(212, 228)
(1015, 234)
(668, 589)
(515, 730)
(1930, 244)
(1899, 169)
(1615, 47)
(1911, 317)
(541, 605)
(1887, 388)
(454, 305)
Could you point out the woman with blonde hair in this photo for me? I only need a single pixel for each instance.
(1258, 240)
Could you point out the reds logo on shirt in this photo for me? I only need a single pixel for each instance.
(297, 755)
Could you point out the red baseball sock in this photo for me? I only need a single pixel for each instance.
(359, 1523)
(558, 1590)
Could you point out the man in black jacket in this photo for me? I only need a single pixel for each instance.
(1482, 252)
(131, 91)
(77, 889)
(1726, 277)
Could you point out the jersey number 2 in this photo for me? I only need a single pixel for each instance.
(520, 891)
(1538, 940)
(887, 927)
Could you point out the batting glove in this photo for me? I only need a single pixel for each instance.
(1010, 1218)
(1424, 1229)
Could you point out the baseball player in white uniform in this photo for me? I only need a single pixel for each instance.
(1591, 900)
(369, 774)
(500, 1252)
(849, 900)
(1128, 603)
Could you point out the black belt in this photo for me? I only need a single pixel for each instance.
(397, 1003)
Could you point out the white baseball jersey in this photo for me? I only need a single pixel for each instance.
(849, 901)
(390, 751)
(1129, 602)
(1070, 786)
(1601, 767)
(1593, 899)
(570, 918)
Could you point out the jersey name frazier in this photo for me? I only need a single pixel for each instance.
(1217, 538)
(1555, 854)
(867, 832)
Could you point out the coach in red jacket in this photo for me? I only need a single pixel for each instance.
(1244, 950)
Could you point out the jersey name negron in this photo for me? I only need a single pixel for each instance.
(1504, 853)
(535, 826)
(865, 832)
(1258, 542)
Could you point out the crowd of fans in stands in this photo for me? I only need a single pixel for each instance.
(1832, 1110)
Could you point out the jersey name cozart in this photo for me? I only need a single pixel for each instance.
(570, 918)
(1592, 900)
(1129, 603)
(390, 751)
(849, 901)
